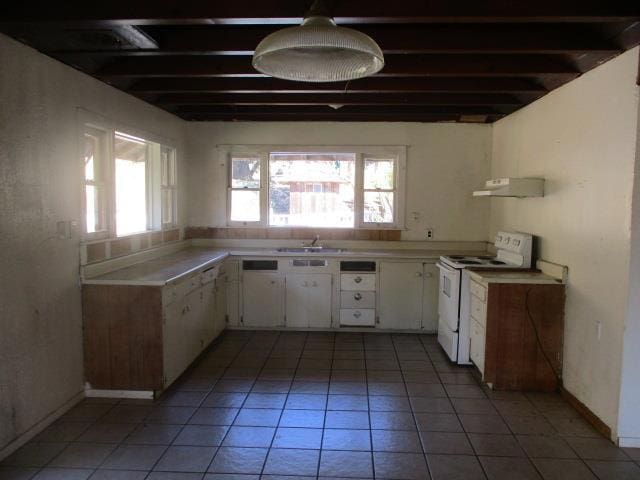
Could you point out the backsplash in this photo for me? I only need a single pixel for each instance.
(101, 250)
(283, 233)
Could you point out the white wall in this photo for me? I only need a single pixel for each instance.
(445, 163)
(629, 415)
(40, 184)
(582, 139)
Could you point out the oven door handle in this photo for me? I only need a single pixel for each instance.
(444, 268)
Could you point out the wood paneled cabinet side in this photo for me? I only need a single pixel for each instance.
(524, 336)
(123, 347)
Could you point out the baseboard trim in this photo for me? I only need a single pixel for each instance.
(629, 442)
(588, 415)
(135, 394)
(40, 425)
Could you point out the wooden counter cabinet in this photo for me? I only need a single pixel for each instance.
(516, 332)
(141, 337)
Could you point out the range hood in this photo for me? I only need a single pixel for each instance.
(512, 187)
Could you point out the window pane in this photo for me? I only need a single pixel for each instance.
(131, 185)
(245, 206)
(91, 150)
(167, 206)
(378, 174)
(378, 207)
(245, 172)
(94, 220)
(311, 189)
(167, 156)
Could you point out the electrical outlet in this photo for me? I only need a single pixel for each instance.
(429, 233)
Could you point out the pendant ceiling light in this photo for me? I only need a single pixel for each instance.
(318, 51)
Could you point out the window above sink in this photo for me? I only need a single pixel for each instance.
(317, 187)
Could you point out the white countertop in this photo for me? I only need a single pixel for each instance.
(171, 267)
(526, 276)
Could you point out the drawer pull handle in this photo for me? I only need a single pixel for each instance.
(357, 279)
(357, 314)
(357, 296)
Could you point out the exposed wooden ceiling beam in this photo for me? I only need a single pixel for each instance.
(396, 66)
(363, 85)
(339, 99)
(393, 39)
(335, 117)
(325, 110)
(291, 12)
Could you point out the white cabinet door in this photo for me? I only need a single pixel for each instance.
(220, 305)
(308, 300)
(262, 299)
(173, 345)
(233, 292)
(401, 285)
(430, 298)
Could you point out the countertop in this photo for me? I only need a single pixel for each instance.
(171, 267)
(497, 276)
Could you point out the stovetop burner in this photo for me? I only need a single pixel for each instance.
(497, 262)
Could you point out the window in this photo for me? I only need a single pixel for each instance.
(333, 188)
(379, 190)
(311, 190)
(129, 184)
(245, 189)
(132, 172)
(168, 187)
(95, 194)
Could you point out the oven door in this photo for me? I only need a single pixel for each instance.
(449, 296)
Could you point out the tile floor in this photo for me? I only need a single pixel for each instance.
(317, 405)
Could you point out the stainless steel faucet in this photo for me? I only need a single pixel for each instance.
(313, 243)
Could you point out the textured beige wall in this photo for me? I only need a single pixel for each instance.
(581, 138)
(445, 163)
(40, 185)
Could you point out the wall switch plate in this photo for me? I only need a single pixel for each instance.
(429, 233)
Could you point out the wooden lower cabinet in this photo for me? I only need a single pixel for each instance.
(144, 337)
(516, 333)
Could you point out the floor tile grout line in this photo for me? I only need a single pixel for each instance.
(211, 391)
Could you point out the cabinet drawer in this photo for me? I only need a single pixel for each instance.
(177, 291)
(358, 317)
(477, 290)
(356, 299)
(477, 346)
(479, 310)
(209, 275)
(358, 281)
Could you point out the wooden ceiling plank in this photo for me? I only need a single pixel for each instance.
(393, 39)
(396, 66)
(117, 12)
(364, 85)
(340, 99)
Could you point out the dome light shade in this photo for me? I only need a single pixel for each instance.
(318, 51)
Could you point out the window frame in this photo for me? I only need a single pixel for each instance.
(104, 166)
(398, 153)
(92, 122)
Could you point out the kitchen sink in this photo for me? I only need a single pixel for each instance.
(310, 250)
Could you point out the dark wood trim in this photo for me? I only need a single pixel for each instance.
(586, 413)
(300, 233)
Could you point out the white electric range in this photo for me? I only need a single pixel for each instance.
(514, 250)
